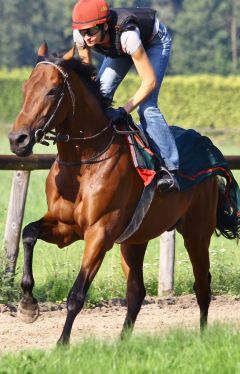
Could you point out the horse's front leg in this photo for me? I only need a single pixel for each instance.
(48, 230)
(28, 309)
(96, 246)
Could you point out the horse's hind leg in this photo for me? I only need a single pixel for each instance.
(197, 227)
(199, 256)
(132, 264)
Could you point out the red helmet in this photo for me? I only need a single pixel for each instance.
(89, 13)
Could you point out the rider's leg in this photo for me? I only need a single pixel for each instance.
(112, 72)
(151, 118)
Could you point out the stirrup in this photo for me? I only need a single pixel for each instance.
(167, 182)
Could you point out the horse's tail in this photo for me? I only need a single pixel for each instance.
(228, 209)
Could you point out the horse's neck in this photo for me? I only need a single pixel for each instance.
(88, 117)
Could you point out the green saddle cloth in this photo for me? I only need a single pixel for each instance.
(199, 159)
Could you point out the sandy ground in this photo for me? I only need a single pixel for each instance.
(105, 321)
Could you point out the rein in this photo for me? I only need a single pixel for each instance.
(91, 160)
(41, 134)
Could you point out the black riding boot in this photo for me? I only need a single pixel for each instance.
(166, 181)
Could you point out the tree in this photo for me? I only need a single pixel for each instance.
(26, 23)
(205, 32)
(202, 38)
(235, 14)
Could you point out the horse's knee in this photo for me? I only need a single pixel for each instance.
(30, 234)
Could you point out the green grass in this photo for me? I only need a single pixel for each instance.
(55, 269)
(180, 352)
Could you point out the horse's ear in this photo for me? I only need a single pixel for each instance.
(70, 54)
(43, 49)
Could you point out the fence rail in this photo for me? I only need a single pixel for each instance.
(23, 167)
(33, 162)
(44, 162)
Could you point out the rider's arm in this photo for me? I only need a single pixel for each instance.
(147, 76)
(85, 54)
(83, 51)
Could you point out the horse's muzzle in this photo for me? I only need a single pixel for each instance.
(21, 143)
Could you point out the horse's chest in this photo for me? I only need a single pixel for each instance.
(70, 212)
(87, 204)
(63, 210)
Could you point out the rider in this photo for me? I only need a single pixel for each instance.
(129, 36)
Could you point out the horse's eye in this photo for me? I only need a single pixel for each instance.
(53, 92)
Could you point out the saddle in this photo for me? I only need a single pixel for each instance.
(144, 159)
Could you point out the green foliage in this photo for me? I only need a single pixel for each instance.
(201, 101)
(25, 24)
(17, 73)
(11, 82)
(205, 32)
(8, 291)
(194, 101)
(10, 99)
(202, 40)
(178, 351)
(198, 101)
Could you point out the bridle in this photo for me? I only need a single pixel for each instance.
(41, 135)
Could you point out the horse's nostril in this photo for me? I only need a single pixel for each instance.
(20, 143)
(18, 139)
(21, 138)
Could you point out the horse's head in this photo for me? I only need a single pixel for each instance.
(44, 92)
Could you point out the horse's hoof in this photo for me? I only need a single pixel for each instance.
(28, 310)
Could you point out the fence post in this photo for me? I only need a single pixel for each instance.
(166, 264)
(15, 217)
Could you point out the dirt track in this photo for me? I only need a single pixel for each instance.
(105, 321)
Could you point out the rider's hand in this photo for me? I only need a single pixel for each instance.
(117, 115)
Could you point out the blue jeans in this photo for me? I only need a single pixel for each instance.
(153, 123)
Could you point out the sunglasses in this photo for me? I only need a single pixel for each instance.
(90, 32)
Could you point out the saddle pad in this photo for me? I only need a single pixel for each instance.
(199, 158)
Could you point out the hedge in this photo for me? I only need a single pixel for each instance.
(11, 92)
(200, 101)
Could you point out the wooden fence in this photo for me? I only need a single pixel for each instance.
(22, 167)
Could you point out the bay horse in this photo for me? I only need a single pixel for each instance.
(93, 188)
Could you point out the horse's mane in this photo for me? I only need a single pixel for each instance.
(87, 73)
